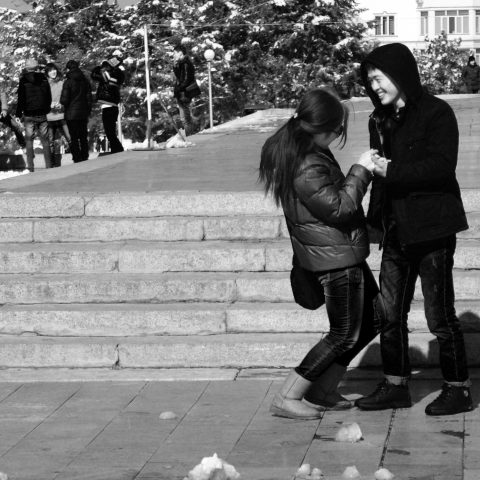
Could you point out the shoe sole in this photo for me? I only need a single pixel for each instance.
(333, 407)
(278, 412)
(384, 406)
(441, 414)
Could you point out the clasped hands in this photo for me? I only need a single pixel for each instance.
(374, 163)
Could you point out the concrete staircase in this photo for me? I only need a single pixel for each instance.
(172, 279)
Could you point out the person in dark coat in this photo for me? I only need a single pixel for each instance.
(471, 75)
(34, 100)
(184, 76)
(327, 227)
(76, 98)
(416, 205)
(110, 77)
(7, 120)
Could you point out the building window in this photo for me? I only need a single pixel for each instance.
(423, 23)
(384, 25)
(451, 21)
(477, 21)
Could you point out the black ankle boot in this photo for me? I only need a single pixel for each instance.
(386, 396)
(450, 401)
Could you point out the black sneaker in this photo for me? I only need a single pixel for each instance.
(386, 396)
(450, 401)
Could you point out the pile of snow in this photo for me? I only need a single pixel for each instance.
(349, 432)
(9, 174)
(308, 473)
(383, 474)
(167, 416)
(213, 468)
(351, 473)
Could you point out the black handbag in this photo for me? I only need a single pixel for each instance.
(192, 90)
(306, 289)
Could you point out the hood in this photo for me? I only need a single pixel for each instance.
(34, 77)
(397, 61)
(75, 74)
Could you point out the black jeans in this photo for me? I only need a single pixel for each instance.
(401, 266)
(8, 121)
(355, 313)
(57, 128)
(79, 139)
(109, 119)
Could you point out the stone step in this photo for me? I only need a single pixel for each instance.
(163, 229)
(158, 257)
(172, 287)
(254, 350)
(157, 204)
(126, 320)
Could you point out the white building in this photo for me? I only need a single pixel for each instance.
(410, 21)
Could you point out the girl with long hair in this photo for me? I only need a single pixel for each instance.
(326, 222)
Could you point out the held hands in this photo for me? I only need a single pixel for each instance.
(381, 165)
(374, 163)
(367, 159)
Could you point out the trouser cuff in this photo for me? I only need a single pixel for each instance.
(466, 383)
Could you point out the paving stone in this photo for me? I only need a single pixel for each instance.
(109, 229)
(113, 288)
(18, 205)
(190, 257)
(16, 231)
(242, 228)
(180, 203)
(51, 352)
(112, 320)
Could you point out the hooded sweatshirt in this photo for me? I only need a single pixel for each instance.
(34, 96)
(420, 194)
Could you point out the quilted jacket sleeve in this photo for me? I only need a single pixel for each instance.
(328, 195)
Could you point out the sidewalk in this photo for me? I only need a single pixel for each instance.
(113, 431)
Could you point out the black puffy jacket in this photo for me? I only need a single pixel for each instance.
(109, 82)
(34, 95)
(325, 218)
(185, 75)
(76, 95)
(420, 191)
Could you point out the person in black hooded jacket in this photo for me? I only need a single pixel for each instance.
(34, 99)
(76, 98)
(416, 205)
(110, 76)
(184, 72)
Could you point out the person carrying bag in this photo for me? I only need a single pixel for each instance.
(327, 228)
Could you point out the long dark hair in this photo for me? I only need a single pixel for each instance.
(319, 111)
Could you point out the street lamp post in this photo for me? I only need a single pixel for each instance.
(209, 56)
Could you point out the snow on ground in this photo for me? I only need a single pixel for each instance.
(12, 173)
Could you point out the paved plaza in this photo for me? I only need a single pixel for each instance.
(113, 431)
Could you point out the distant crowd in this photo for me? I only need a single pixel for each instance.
(55, 106)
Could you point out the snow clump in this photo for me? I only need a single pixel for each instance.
(213, 468)
(167, 416)
(351, 473)
(349, 432)
(383, 474)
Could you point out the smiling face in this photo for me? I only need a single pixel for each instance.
(386, 91)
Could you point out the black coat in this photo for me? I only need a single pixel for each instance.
(185, 75)
(109, 83)
(420, 192)
(325, 219)
(34, 95)
(471, 77)
(76, 96)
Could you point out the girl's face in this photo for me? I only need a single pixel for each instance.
(52, 73)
